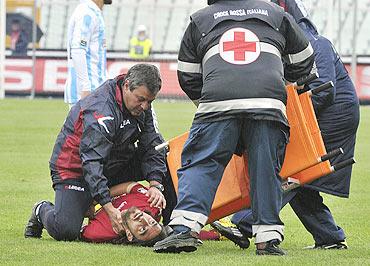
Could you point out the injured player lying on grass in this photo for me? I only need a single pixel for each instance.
(140, 219)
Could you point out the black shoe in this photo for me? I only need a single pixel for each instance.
(34, 227)
(338, 245)
(176, 243)
(232, 234)
(270, 248)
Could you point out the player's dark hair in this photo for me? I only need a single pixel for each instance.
(149, 243)
(144, 75)
(122, 240)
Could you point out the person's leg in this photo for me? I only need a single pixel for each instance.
(170, 196)
(244, 218)
(64, 220)
(205, 155)
(316, 217)
(265, 143)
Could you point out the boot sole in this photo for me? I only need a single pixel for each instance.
(268, 253)
(189, 246)
(244, 244)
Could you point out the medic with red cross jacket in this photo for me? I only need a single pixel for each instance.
(107, 138)
(230, 64)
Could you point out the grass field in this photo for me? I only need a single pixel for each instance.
(27, 133)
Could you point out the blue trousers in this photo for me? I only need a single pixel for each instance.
(206, 153)
(312, 212)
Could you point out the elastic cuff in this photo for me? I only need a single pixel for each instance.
(264, 233)
(154, 177)
(195, 221)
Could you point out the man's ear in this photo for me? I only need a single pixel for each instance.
(126, 85)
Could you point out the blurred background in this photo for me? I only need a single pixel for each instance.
(41, 69)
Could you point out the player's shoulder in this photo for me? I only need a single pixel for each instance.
(96, 104)
(84, 10)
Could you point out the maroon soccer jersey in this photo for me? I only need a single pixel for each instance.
(100, 229)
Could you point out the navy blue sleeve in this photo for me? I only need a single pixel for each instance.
(189, 64)
(95, 146)
(153, 163)
(298, 53)
(325, 57)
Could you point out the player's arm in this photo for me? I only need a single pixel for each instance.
(84, 26)
(122, 188)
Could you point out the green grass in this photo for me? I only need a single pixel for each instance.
(27, 133)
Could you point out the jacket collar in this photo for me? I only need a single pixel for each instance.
(92, 5)
(118, 82)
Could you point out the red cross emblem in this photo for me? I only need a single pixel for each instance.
(239, 46)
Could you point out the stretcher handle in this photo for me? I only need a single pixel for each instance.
(343, 164)
(305, 89)
(325, 86)
(331, 154)
(322, 87)
(162, 146)
(307, 79)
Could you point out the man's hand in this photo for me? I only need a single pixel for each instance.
(115, 218)
(156, 198)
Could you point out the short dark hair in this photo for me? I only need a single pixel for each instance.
(149, 243)
(144, 75)
(122, 240)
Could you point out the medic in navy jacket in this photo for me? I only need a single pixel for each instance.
(100, 128)
(106, 137)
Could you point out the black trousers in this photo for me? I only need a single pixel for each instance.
(63, 220)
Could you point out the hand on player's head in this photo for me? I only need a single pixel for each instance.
(140, 225)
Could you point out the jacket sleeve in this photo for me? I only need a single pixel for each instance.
(189, 70)
(95, 146)
(298, 53)
(153, 163)
(325, 57)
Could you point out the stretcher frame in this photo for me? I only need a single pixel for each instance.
(306, 158)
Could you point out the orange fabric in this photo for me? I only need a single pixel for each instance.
(301, 152)
(233, 192)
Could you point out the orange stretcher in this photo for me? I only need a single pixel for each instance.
(306, 158)
(233, 192)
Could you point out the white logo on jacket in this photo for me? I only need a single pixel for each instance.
(124, 123)
(102, 119)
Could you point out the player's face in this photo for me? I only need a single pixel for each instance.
(138, 100)
(141, 224)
